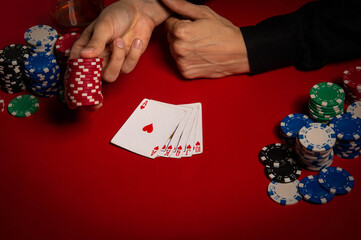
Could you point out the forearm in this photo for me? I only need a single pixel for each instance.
(318, 33)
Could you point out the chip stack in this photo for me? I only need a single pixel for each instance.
(314, 146)
(326, 101)
(355, 109)
(83, 86)
(62, 48)
(351, 79)
(43, 74)
(41, 38)
(2, 104)
(291, 125)
(12, 60)
(348, 131)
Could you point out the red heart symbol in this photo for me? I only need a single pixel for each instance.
(156, 148)
(148, 128)
(198, 144)
(144, 104)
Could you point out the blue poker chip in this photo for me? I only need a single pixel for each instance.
(347, 154)
(291, 124)
(317, 137)
(336, 180)
(40, 63)
(284, 193)
(346, 126)
(312, 191)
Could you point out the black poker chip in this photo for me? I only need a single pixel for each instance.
(289, 172)
(276, 155)
(14, 54)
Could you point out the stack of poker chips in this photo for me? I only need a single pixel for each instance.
(348, 132)
(351, 79)
(283, 171)
(83, 85)
(2, 104)
(41, 38)
(314, 146)
(43, 73)
(63, 46)
(291, 125)
(326, 101)
(12, 59)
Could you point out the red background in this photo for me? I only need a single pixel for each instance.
(60, 178)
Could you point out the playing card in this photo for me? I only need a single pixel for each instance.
(189, 149)
(198, 141)
(148, 128)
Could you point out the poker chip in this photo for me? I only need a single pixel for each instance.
(286, 173)
(317, 137)
(2, 105)
(351, 79)
(275, 155)
(83, 86)
(23, 106)
(41, 38)
(63, 47)
(40, 63)
(311, 191)
(284, 193)
(346, 126)
(336, 180)
(355, 109)
(291, 125)
(12, 59)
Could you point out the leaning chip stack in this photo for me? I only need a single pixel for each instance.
(12, 60)
(83, 85)
(351, 79)
(291, 125)
(62, 48)
(314, 146)
(326, 101)
(43, 74)
(41, 38)
(348, 131)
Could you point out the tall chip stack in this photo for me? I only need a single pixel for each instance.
(41, 38)
(326, 101)
(83, 83)
(314, 146)
(351, 79)
(12, 60)
(348, 131)
(43, 74)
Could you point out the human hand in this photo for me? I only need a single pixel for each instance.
(120, 35)
(205, 45)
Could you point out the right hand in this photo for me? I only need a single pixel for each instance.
(120, 35)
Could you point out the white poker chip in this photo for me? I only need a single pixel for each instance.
(284, 193)
(355, 109)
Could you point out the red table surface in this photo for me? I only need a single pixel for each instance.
(60, 178)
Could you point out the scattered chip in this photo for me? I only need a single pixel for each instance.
(284, 193)
(311, 191)
(336, 180)
(23, 106)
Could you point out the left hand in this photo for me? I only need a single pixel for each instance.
(207, 45)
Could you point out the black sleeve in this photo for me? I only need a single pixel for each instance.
(318, 33)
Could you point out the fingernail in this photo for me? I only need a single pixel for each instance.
(137, 44)
(119, 43)
(87, 50)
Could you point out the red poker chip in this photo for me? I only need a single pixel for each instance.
(92, 67)
(352, 77)
(81, 89)
(74, 91)
(81, 99)
(85, 64)
(84, 94)
(66, 42)
(82, 104)
(84, 71)
(72, 83)
(83, 75)
(85, 60)
(84, 78)
(83, 86)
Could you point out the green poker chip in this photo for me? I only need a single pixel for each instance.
(23, 106)
(327, 94)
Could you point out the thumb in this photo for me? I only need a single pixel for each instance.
(186, 9)
(97, 43)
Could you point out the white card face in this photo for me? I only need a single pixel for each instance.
(168, 148)
(148, 128)
(181, 146)
(198, 141)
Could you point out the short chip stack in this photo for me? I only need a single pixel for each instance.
(83, 86)
(43, 74)
(12, 60)
(62, 48)
(283, 171)
(348, 132)
(351, 79)
(326, 101)
(291, 125)
(41, 38)
(314, 146)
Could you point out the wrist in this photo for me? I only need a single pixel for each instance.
(154, 9)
